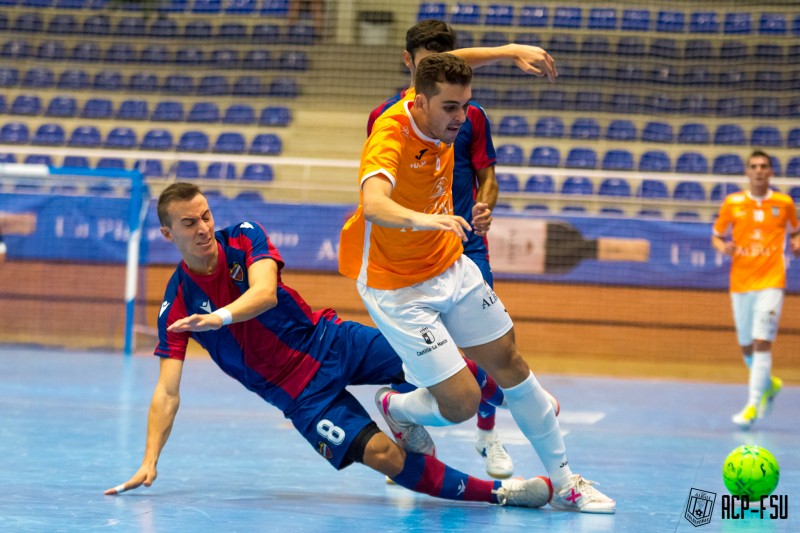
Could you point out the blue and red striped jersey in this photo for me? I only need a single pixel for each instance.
(474, 150)
(275, 354)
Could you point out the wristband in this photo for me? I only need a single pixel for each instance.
(225, 315)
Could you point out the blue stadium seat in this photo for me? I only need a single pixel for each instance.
(432, 10)
(187, 170)
(38, 78)
(239, 114)
(536, 209)
(655, 161)
(204, 112)
(266, 33)
(62, 106)
(249, 196)
(150, 168)
(133, 110)
(635, 20)
(665, 47)
(618, 160)
(225, 58)
(85, 137)
(251, 86)
(593, 71)
(562, 43)
(552, 99)
(737, 23)
(686, 216)
(73, 79)
(197, 29)
(9, 77)
(689, 190)
(273, 116)
(544, 156)
(14, 133)
(550, 127)
(585, 129)
(240, 7)
(465, 13)
(793, 168)
(767, 80)
(155, 54)
(601, 18)
(266, 144)
(773, 24)
(731, 164)
(533, 16)
(793, 138)
(231, 31)
(499, 15)
(650, 213)
(721, 190)
(513, 125)
(15, 49)
(130, 27)
(7, 158)
(509, 154)
(193, 141)
(794, 192)
(693, 133)
(97, 25)
(507, 182)
(614, 187)
(625, 103)
(729, 134)
(26, 104)
(766, 136)
(671, 21)
(733, 50)
(121, 138)
(107, 80)
(519, 98)
(733, 78)
(278, 8)
(52, 51)
(191, 55)
(38, 159)
(570, 210)
(698, 49)
(696, 104)
(612, 211)
(163, 28)
(660, 103)
(97, 108)
(730, 107)
(62, 24)
(595, 45)
(567, 17)
(621, 130)
(78, 161)
(28, 22)
(465, 39)
(219, 170)
(691, 163)
(796, 25)
(588, 101)
(178, 84)
(168, 111)
(143, 82)
(229, 142)
(2, 103)
(258, 60)
(581, 158)
(540, 184)
(112, 163)
(50, 135)
(257, 172)
(293, 60)
(629, 74)
(652, 189)
(577, 185)
(771, 53)
(657, 132)
(494, 38)
(157, 139)
(766, 107)
(704, 22)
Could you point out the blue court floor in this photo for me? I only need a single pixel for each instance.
(72, 424)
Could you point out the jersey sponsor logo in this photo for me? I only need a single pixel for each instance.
(420, 154)
(237, 272)
(164, 306)
(206, 306)
(418, 165)
(246, 225)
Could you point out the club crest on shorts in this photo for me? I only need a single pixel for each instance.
(700, 507)
(427, 335)
(324, 450)
(237, 272)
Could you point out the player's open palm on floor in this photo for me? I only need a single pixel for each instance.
(145, 476)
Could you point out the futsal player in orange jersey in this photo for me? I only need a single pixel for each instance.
(758, 218)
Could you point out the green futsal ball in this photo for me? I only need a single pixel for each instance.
(751, 471)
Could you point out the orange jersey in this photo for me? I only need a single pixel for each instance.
(759, 233)
(421, 172)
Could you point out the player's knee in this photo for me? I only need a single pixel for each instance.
(462, 408)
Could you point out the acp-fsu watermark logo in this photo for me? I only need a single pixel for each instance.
(700, 507)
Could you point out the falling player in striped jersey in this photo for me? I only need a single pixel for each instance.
(227, 294)
(759, 218)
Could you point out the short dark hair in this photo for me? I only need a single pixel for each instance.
(760, 153)
(431, 34)
(441, 68)
(177, 192)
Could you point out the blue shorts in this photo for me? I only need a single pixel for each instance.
(482, 260)
(328, 416)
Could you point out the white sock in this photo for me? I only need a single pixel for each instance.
(760, 377)
(485, 434)
(535, 417)
(418, 406)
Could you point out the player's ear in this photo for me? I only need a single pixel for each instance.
(408, 61)
(166, 232)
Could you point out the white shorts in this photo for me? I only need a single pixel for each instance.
(425, 323)
(756, 314)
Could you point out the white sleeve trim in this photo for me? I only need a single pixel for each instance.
(382, 172)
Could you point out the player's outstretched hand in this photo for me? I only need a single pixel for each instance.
(534, 60)
(197, 322)
(145, 476)
(453, 223)
(481, 218)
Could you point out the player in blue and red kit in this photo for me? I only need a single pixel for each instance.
(474, 182)
(227, 294)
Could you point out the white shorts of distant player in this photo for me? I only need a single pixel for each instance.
(757, 314)
(426, 322)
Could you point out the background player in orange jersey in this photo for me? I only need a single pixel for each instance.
(403, 248)
(759, 218)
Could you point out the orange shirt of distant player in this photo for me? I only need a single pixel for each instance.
(422, 174)
(759, 233)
